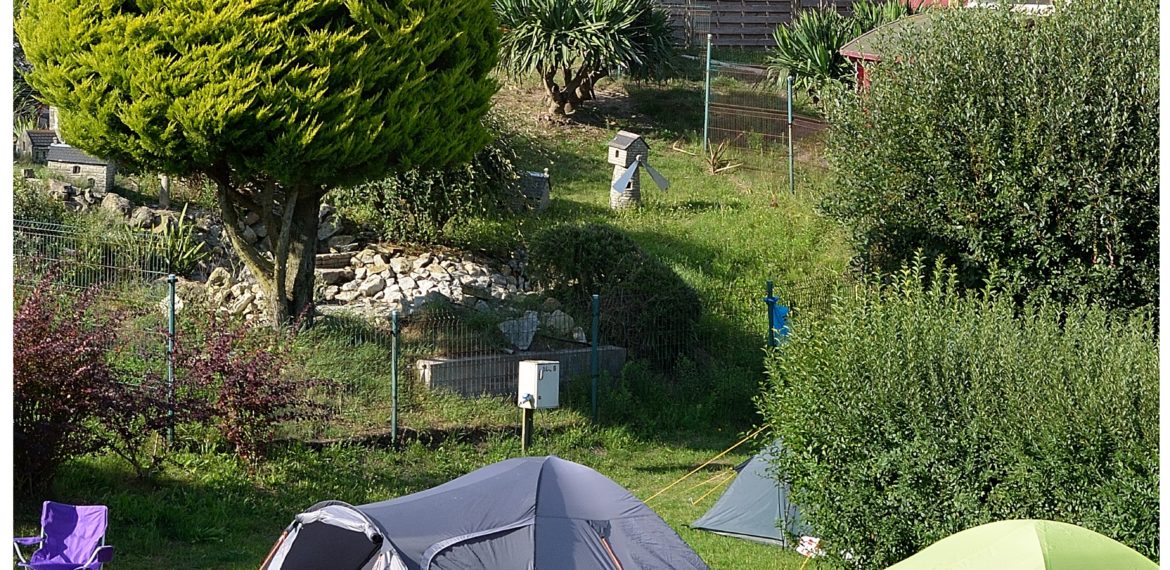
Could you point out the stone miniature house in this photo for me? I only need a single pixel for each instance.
(624, 150)
(34, 145)
(87, 171)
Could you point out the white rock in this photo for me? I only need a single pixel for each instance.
(423, 261)
(347, 296)
(407, 283)
(220, 277)
(359, 273)
(401, 265)
(520, 331)
(372, 285)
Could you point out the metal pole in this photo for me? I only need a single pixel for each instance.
(707, 96)
(791, 171)
(394, 378)
(525, 430)
(595, 356)
(171, 280)
(771, 301)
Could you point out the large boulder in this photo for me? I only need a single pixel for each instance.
(116, 204)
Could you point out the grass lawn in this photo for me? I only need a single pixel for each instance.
(205, 514)
(725, 234)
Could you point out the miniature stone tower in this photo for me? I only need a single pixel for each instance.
(624, 150)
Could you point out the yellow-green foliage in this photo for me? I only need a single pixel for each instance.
(312, 92)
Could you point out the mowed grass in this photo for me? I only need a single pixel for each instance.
(724, 234)
(207, 512)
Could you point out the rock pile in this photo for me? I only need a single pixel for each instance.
(378, 279)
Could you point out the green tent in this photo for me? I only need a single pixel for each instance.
(1026, 545)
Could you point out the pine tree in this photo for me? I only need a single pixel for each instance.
(276, 101)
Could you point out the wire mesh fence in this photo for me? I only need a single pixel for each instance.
(747, 108)
(126, 271)
(378, 369)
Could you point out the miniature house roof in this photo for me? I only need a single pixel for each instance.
(41, 137)
(624, 139)
(66, 153)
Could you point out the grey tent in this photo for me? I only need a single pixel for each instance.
(527, 513)
(755, 506)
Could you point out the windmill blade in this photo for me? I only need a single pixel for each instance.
(620, 184)
(658, 178)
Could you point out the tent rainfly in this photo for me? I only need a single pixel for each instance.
(1027, 545)
(755, 506)
(532, 513)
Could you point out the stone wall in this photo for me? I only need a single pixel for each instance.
(103, 176)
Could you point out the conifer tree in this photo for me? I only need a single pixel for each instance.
(276, 101)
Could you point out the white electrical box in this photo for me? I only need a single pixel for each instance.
(540, 384)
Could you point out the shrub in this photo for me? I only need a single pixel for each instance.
(417, 205)
(579, 42)
(61, 380)
(248, 374)
(32, 203)
(911, 413)
(998, 139)
(646, 307)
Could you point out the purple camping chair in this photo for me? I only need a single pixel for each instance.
(72, 538)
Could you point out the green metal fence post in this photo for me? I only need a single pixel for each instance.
(791, 171)
(707, 96)
(595, 356)
(394, 378)
(171, 281)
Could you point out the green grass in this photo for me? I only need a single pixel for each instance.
(724, 234)
(205, 511)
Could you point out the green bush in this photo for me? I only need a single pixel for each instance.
(417, 205)
(646, 307)
(35, 204)
(994, 138)
(914, 412)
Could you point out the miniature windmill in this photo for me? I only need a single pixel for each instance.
(628, 152)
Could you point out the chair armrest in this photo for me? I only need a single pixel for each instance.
(100, 556)
(25, 541)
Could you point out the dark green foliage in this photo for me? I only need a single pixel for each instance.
(911, 413)
(809, 48)
(583, 41)
(416, 205)
(999, 139)
(647, 308)
(34, 204)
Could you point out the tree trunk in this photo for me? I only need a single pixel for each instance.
(562, 101)
(285, 271)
